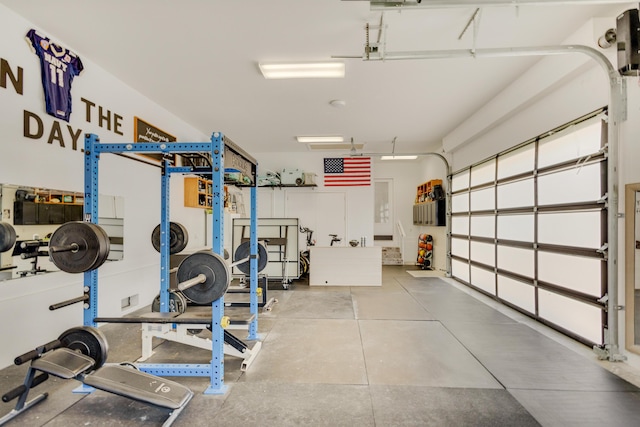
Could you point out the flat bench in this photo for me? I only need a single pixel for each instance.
(125, 381)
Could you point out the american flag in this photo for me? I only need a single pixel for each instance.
(347, 171)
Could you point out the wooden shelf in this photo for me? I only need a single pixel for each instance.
(59, 197)
(424, 190)
(289, 186)
(198, 192)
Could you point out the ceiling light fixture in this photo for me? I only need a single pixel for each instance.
(399, 157)
(302, 70)
(322, 146)
(320, 139)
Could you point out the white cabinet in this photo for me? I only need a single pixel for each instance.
(345, 266)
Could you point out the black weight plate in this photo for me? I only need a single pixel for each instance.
(177, 303)
(178, 238)
(93, 246)
(215, 270)
(243, 251)
(7, 236)
(89, 341)
(105, 246)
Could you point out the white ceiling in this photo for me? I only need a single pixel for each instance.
(199, 59)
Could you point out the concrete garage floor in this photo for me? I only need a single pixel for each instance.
(414, 352)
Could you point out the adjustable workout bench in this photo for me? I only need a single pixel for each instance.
(80, 353)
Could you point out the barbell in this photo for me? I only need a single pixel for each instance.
(77, 246)
(203, 277)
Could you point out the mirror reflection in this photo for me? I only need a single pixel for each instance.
(35, 213)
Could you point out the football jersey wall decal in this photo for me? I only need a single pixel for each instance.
(58, 67)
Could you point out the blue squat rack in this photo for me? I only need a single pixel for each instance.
(239, 160)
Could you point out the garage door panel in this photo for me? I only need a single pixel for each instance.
(578, 317)
(578, 273)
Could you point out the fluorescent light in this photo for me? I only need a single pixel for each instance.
(302, 70)
(398, 157)
(316, 139)
(323, 146)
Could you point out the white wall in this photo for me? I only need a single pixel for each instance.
(35, 162)
(566, 92)
(359, 200)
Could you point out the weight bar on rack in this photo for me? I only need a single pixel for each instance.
(77, 246)
(178, 238)
(241, 257)
(7, 236)
(203, 277)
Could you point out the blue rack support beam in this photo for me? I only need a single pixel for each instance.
(253, 267)
(218, 148)
(91, 215)
(217, 307)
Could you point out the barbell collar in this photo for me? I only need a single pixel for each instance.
(200, 278)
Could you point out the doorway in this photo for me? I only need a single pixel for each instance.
(383, 210)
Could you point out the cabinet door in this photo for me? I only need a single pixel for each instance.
(56, 214)
(440, 212)
(25, 213)
(73, 213)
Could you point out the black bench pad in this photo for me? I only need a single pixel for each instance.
(138, 385)
(63, 362)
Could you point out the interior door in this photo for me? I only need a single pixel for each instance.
(383, 209)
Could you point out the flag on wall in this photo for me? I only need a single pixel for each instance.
(347, 171)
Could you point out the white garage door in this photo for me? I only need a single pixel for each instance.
(529, 226)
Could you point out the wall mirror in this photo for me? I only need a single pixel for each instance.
(632, 267)
(35, 213)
